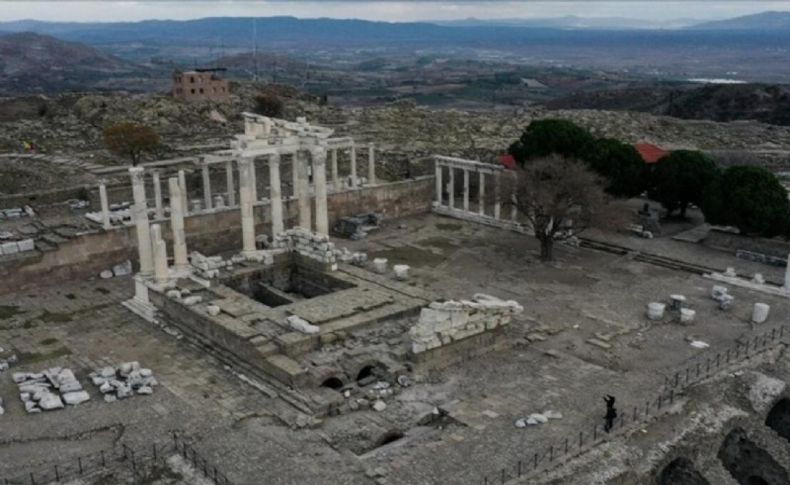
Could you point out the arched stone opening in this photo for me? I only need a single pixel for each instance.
(333, 383)
(365, 372)
(748, 463)
(681, 471)
(778, 418)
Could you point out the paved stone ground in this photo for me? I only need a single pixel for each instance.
(245, 433)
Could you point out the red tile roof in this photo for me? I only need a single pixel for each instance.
(650, 153)
(507, 161)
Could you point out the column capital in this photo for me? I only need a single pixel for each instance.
(136, 173)
(274, 158)
(318, 154)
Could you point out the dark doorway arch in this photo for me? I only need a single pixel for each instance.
(389, 437)
(748, 463)
(365, 372)
(333, 383)
(681, 471)
(778, 418)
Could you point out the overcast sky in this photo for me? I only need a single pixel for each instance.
(396, 11)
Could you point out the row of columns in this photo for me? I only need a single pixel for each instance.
(482, 178)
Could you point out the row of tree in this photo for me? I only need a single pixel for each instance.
(747, 197)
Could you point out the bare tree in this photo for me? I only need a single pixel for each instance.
(560, 198)
(130, 140)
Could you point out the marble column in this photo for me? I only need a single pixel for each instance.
(439, 188)
(295, 175)
(319, 176)
(158, 196)
(140, 218)
(105, 206)
(207, 200)
(335, 175)
(177, 225)
(159, 248)
(497, 204)
(481, 194)
(182, 182)
(466, 190)
(787, 276)
(254, 180)
(230, 184)
(275, 195)
(451, 187)
(353, 167)
(371, 165)
(246, 202)
(305, 214)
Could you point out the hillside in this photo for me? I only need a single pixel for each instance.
(34, 63)
(718, 102)
(760, 21)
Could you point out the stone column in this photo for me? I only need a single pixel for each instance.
(335, 175)
(319, 176)
(305, 214)
(231, 185)
(497, 204)
(207, 200)
(254, 180)
(466, 190)
(105, 206)
(158, 196)
(295, 175)
(140, 218)
(439, 188)
(275, 194)
(177, 225)
(451, 187)
(481, 194)
(182, 182)
(787, 276)
(353, 167)
(371, 165)
(161, 271)
(247, 201)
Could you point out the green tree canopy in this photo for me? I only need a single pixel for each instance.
(749, 198)
(621, 164)
(681, 178)
(543, 138)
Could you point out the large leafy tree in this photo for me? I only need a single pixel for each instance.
(130, 140)
(620, 163)
(749, 198)
(542, 138)
(560, 197)
(680, 179)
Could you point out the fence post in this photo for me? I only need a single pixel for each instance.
(595, 432)
(503, 476)
(57, 474)
(519, 468)
(671, 396)
(659, 401)
(485, 480)
(718, 360)
(728, 356)
(566, 446)
(536, 461)
(581, 439)
(103, 463)
(635, 414)
(551, 453)
(697, 369)
(707, 365)
(687, 375)
(32, 480)
(647, 409)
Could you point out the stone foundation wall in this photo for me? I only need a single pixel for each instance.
(461, 350)
(208, 233)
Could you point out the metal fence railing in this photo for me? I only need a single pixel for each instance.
(546, 457)
(139, 462)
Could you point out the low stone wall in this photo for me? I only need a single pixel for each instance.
(728, 241)
(209, 233)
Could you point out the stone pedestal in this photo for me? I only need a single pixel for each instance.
(275, 195)
(140, 218)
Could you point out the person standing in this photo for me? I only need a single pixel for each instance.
(611, 412)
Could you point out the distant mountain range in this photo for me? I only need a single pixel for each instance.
(573, 22)
(760, 21)
(33, 63)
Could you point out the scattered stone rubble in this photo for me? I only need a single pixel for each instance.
(442, 323)
(122, 269)
(49, 390)
(17, 212)
(307, 244)
(537, 418)
(126, 380)
(7, 359)
(14, 247)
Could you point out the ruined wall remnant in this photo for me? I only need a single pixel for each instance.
(443, 323)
